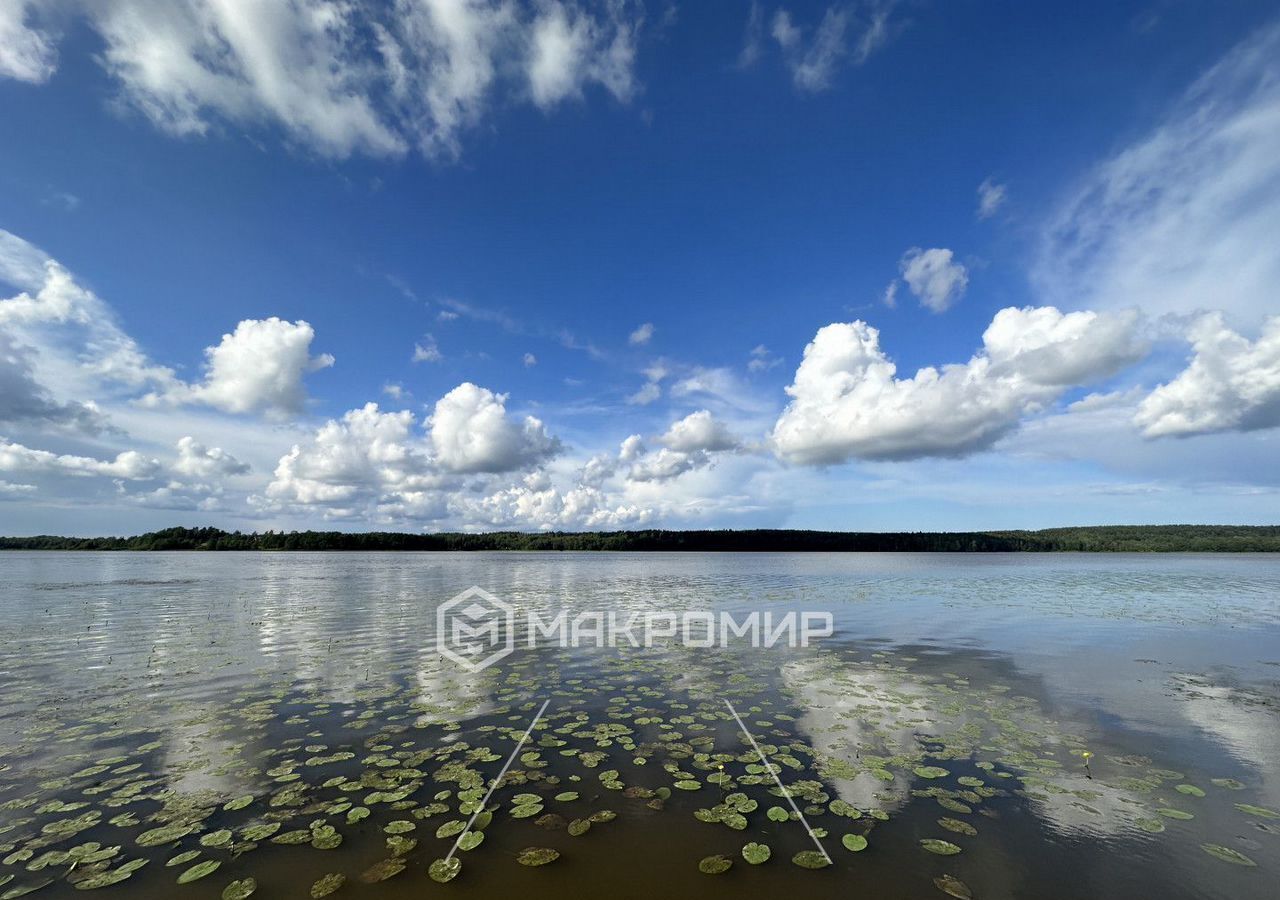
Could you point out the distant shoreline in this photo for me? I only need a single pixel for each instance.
(1097, 538)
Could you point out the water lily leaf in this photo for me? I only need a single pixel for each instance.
(854, 842)
(579, 827)
(810, 859)
(239, 890)
(1229, 783)
(687, 785)
(445, 870)
(238, 803)
(777, 814)
(199, 870)
(756, 853)
(525, 810)
(383, 869)
(715, 865)
(164, 835)
(942, 848)
(953, 887)
(958, 826)
(537, 856)
(930, 772)
(602, 816)
(399, 826)
(1260, 811)
(327, 885)
(1174, 814)
(1189, 789)
(470, 840)
(450, 828)
(181, 858)
(1152, 826)
(566, 796)
(1226, 854)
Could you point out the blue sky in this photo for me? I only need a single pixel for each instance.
(618, 265)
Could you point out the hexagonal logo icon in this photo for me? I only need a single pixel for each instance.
(475, 629)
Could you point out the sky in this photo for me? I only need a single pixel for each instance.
(432, 265)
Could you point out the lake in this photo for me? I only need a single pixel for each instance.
(1018, 725)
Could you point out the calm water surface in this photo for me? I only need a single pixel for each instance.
(284, 717)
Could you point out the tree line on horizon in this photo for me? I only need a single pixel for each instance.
(1112, 538)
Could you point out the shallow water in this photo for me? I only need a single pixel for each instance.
(149, 690)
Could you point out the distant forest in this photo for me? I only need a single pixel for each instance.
(1117, 538)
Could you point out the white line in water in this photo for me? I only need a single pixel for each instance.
(497, 781)
(786, 793)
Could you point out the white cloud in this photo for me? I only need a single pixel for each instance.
(1231, 384)
(1184, 218)
(890, 295)
(195, 460)
(257, 368)
(752, 36)
(530, 360)
(642, 335)
(570, 48)
(341, 77)
(814, 62)
(130, 464)
(667, 464)
(991, 196)
(366, 455)
(426, 350)
(26, 52)
(934, 277)
(24, 401)
(471, 432)
(699, 431)
(847, 401)
(762, 360)
(648, 393)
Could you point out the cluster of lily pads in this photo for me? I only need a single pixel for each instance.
(172, 781)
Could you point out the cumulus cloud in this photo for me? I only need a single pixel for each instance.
(1231, 384)
(1182, 219)
(366, 454)
(934, 277)
(342, 78)
(847, 401)
(26, 52)
(257, 368)
(699, 431)
(471, 432)
(130, 464)
(991, 196)
(195, 460)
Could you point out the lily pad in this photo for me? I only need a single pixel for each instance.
(239, 890)
(1260, 811)
(940, 847)
(810, 859)
(958, 826)
(445, 870)
(756, 853)
(854, 843)
(931, 772)
(953, 887)
(1226, 854)
(199, 870)
(537, 856)
(715, 865)
(327, 885)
